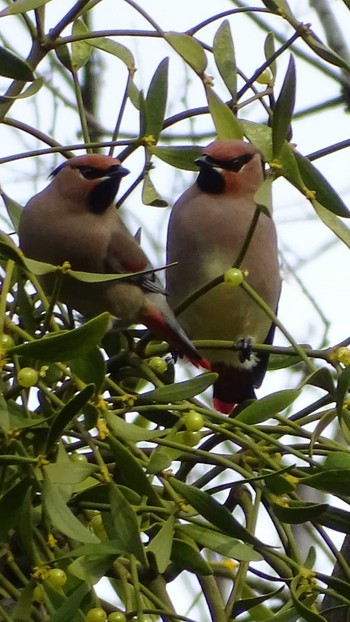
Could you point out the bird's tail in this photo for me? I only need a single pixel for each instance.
(162, 322)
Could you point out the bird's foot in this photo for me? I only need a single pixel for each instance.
(245, 345)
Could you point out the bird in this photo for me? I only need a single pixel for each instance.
(208, 232)
(74, 219)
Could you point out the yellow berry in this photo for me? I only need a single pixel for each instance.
(6, 342)
(116, 616)
(157, 364)
(56, 577)
(233, 277)
(97, 614)
(27, 377)
(193, 421)
(39, 594)
(265, 77)
(191, 438)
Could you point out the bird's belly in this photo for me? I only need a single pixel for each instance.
(225, 313)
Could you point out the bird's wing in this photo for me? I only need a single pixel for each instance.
(124, 255)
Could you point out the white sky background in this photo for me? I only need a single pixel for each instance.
(325, 274)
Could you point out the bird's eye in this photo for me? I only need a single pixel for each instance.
(90, 173)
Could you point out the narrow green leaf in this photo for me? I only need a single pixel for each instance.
(4, 414)
(335, 481)
(316, 182)
(297, 513)
(337, 460)
(67, 414)
(90, 368)
(31, 90)
(342, 390)
(156, 99)
(247, 604)
(130, 431)
(150, 195)
(163, 456)
(267, 407)
(71, 473)
(61, 517)
(337, 519)
(260, 136)
(126, 530)
(113, 47)
(81, 51)
(13, 208)
(269, 49)
(224, 55)
(186, 557)
(215, 513)
(333, 222)
(161, 544)
(13, 67)
(180, 157)
(325, 52)
(64, 56)
(179, 391)
(283, 109)
(22, 611)
(132, 473)
(10, 508)
(226, 123)
(189, 49)
(91, 569)
(308, 614)
(69, 608)
(22, 7)
(65, 345)
(220, 543)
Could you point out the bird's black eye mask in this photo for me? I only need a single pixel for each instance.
(90, 172)
(210, 179)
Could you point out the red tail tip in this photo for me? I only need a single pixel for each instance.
(205, 364)
(223, 407)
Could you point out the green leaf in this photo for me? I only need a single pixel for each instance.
(226, 123)
(31, 90)
(325, 52)
(22, 7)
(189, 49)
(342, 390)
(61, 517)
(186, 557)
(335, 481)
(81, 51)
(180, 157)
(132, 473)
(64, 345)
(130, 431)
(4, 414)
(13, 208)
(10, 508)
(179, 391)
(321, 378)
(308, 614)
(260, 136)
(299, 512)
(90, 368)
(220, 543)
(163, 456)
(150, 195)
(112, 47)
(316, 182)
(161, 544)
(333, 223)
(337, 460)
(126, 530)
(92, 569)
(215, 513)
(67, 414)
(156, 99)
(224, 55)
(246, 604)
(283, 109)
(269, 49)
(69, 608)
(70, 473)
(13, 67)
(267, 407)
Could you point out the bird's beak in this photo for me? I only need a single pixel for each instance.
(116, 171)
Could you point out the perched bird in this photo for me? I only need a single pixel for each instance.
(74, 219)
(209, 231)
